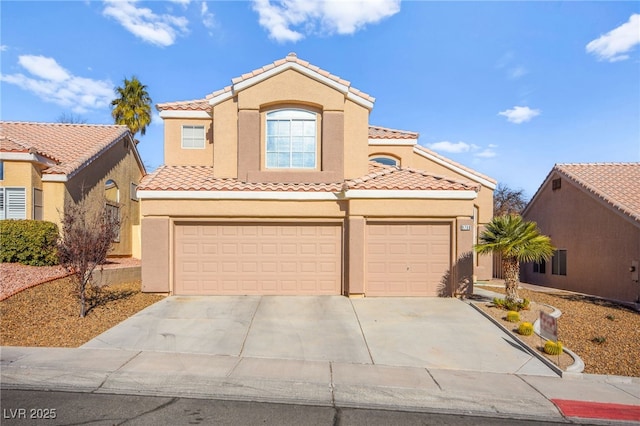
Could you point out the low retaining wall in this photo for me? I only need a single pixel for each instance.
(110, 276)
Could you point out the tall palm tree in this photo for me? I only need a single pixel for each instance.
(132, 107)
(517, 241)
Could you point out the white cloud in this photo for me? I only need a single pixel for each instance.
(291, 20)
(3, 47)
(517, 72)
(52, 83)
(161, 30)
(486, 153)
(519, 114)
(207, 17)
(614, 45)
(453, 147)
(463, 147)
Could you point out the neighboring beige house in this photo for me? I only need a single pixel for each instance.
(277, 184)
(592, 214)
(44, 165)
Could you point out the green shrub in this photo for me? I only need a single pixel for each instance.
(599, 340)
(30, 242)
(526, 329)
(553, 348)
(513, 316)
(511, 306)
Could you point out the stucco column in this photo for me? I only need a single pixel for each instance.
(355, 267)
(248, 142)
(333, 143)
(155, 255)
(463, 267)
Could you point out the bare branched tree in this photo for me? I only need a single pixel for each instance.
(508, 201)
(71, 118)
(88, 232)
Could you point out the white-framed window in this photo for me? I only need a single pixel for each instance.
(13, 203)
(291, 139)
(192, 137)
(37, 204)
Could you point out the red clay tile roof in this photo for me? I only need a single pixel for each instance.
(70, 146)
(377, 132)
(383, 177)
(618, 184)
(203, 104)
(380, 177)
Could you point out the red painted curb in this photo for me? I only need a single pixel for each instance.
(598, 410)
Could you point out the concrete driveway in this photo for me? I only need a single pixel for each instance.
(409, 332)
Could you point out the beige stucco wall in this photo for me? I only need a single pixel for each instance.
(600, 242)
(118, 164)
(175, 155)
(225, 139)
(290, 86)
(356, 137)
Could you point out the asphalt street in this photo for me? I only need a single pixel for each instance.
(20, 407)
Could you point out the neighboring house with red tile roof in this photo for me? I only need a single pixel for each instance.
(592, 214)
(278, 184)
(45, 165)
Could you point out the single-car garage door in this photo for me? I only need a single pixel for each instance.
(406, 259)
(257, 258)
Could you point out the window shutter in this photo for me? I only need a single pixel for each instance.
(16, 203)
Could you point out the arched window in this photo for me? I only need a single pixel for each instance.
(387, 161)
(291, 139)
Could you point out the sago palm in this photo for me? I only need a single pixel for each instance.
(517, 241)
(132, 107)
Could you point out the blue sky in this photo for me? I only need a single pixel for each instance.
(507, 88)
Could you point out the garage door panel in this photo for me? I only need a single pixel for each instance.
(258, 259)
(406, 259)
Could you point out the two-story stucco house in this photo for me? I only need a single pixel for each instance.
(277, 184)
(45, 165)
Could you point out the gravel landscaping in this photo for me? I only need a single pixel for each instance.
(604, 334)
(48, 314)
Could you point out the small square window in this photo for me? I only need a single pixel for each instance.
(556, 184)
(193, 137)
(133, 191)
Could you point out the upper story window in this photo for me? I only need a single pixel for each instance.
(193, 137)
(1, 170)
(291, 139)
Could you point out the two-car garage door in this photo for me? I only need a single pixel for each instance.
(258, 258)
(401, 259)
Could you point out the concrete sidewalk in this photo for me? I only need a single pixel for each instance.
(324, 383)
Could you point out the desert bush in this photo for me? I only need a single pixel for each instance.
(30, 242)
(511, 306)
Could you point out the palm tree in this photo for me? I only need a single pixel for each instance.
(132, 107)
(517, 241)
